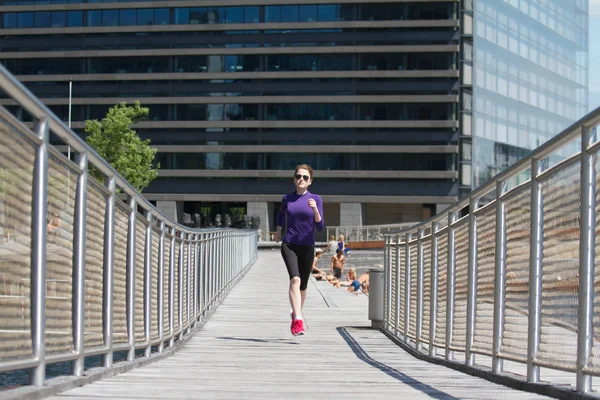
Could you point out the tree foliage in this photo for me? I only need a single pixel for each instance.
(120, 145)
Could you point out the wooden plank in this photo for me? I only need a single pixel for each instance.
(246, 351)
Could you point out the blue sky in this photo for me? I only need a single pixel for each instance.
(594, 54)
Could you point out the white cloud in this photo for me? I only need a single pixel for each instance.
(594, 8)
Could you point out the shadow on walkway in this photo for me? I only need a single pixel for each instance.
(282, 341)
(363, 356)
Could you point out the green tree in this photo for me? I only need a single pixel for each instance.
(120, 145)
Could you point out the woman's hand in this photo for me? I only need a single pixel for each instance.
(277, 237)
(312, 204)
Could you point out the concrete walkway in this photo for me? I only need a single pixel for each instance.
(246, 351)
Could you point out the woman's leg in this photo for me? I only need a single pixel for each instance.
(295, 298)
(291, 262)
(306, 259)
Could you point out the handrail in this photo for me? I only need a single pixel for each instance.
(83, 272)
(486, 263)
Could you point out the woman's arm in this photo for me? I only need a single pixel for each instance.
(281, 218)
(316, 203)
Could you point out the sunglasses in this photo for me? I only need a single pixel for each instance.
(305, 177)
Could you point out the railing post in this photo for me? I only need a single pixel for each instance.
(39, 214)
(148, 286)
(202, 277)
(189, 282)
(161, 288)
(433, 289)
(230, 274)
(172, 287)
(587, 237)
(387, 282)
(535, 273)
(420, 273)
(398, 286)
(220, 263)
(450, 285)
(180, 284)
(500, 269)
(79, 243)
(130, 283)
(471, 281)
(196, 278)
(109, 270)
(207, 271)
(407, 285)
(213, 269)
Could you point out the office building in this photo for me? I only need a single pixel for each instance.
(368, 92)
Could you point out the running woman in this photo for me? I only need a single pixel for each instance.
(303, 211)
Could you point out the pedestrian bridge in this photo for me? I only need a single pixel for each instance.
(501, 288)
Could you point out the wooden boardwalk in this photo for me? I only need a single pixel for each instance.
(246, 351)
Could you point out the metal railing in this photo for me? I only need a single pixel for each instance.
(85, 273)
(366, 233)
(509, 272)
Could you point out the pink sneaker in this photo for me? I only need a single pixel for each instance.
(299, 327)
(293, 327)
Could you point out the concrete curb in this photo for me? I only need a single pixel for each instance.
(60, 384)
(505, 379)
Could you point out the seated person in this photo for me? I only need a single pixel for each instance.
(361, 283)
(342, 245)
(317, 273)
(351, 277)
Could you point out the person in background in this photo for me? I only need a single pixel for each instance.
(316, 272)
(302, 212)
(332, 245)
(337, 266)
(342, 245)
(351, 277)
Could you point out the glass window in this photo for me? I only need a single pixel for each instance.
(289, 13)
(307, 13)
(127, 17)
(94, 18)
(328, 12)
(235, 15)
(161, 16)
(272, 13)
(347, 12)
(42, 19)
(198, 15)
(9, 20)
(216, 15)
(182, 15)
(397, 11)
(145, 17)
(75, 18)
(381, 12)
(110, 17)
(59, 19)
(251, 14)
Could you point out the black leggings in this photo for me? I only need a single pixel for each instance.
(298, 261)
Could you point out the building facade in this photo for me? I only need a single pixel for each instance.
(526, 79)
(367, 92)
